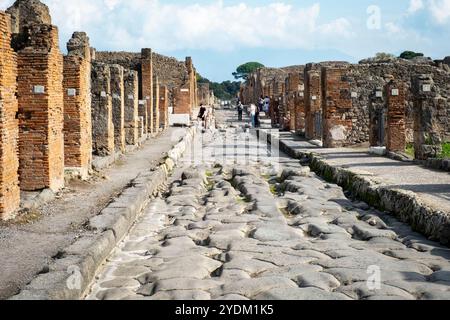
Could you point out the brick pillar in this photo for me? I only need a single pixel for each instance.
(77, 105)
(313, 103)
(336, 101)
(118, 106)
(164, 107)
(131, 84)
(377, 115)
(156, 115)
(41, 103)
(147, 85)
(427, 138)
(9, 126)
(396, 118)
(182, 98)
(102, 116)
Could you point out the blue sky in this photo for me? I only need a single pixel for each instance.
(220, 35)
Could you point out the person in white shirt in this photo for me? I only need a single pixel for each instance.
(253, 114)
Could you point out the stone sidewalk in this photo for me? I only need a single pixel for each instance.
(27, 247)
(431, 188)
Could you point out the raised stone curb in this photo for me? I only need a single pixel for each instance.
(405, 205)
(71, 272)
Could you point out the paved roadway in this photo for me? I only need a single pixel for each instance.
(239, 221)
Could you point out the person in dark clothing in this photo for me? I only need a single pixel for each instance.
(240, 109)
(202, 114)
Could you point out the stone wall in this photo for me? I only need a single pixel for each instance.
(429, 107)
(40, 93)
(77, 105)
(118, 105)
(102, 115)
(131, 111)
(9, 130)
(313, 102)
(26, 13)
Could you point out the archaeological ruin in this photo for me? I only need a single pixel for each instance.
(61, 112)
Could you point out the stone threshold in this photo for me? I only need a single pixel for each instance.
(70, 274)
(405, 205)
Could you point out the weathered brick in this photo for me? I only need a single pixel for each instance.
(147, 85)
(41, 101)
(335, 103)
(156, 116)
(9, 126)
(396, 125)
(77, 105)
(163, 107)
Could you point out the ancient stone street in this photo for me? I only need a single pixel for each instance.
(257, 231)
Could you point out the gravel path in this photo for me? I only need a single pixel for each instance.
(245, 228)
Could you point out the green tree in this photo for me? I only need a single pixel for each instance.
(408, 55)
(225, 90)
(245, 69)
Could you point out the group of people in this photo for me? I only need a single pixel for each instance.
(255, 111)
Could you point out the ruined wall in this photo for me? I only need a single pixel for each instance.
(336, 106)
(26, 13)
(118, 105)
(156, 115)
(147, 86)
(143, 117)
(131, 107)
(429, 107)
(395, 92)
(163, 107)
(313, 102)
(41, 100)
(9, 126)
(181, 100)
(102, 116)
(77, 105)
(203, 94)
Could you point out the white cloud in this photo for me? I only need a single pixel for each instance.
(415, 5)
(440, 9)
(130, 24)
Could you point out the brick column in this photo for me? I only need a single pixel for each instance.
(156, 115)
(131, 84)
(182, 98)
(313, 103)
(9, 126)
(396, 122)
(336, 101)
(102, 116)
(77, 105)
(118, 106)
(427, 138)
(41, 103)
(164, 107)
(147, 86)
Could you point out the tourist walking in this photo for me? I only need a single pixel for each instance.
(253, 109)
(240, 109)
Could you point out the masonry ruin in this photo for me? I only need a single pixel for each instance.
(77, 105)
(118, 105)
(102, 113)
(9, 129)
(131, 107)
